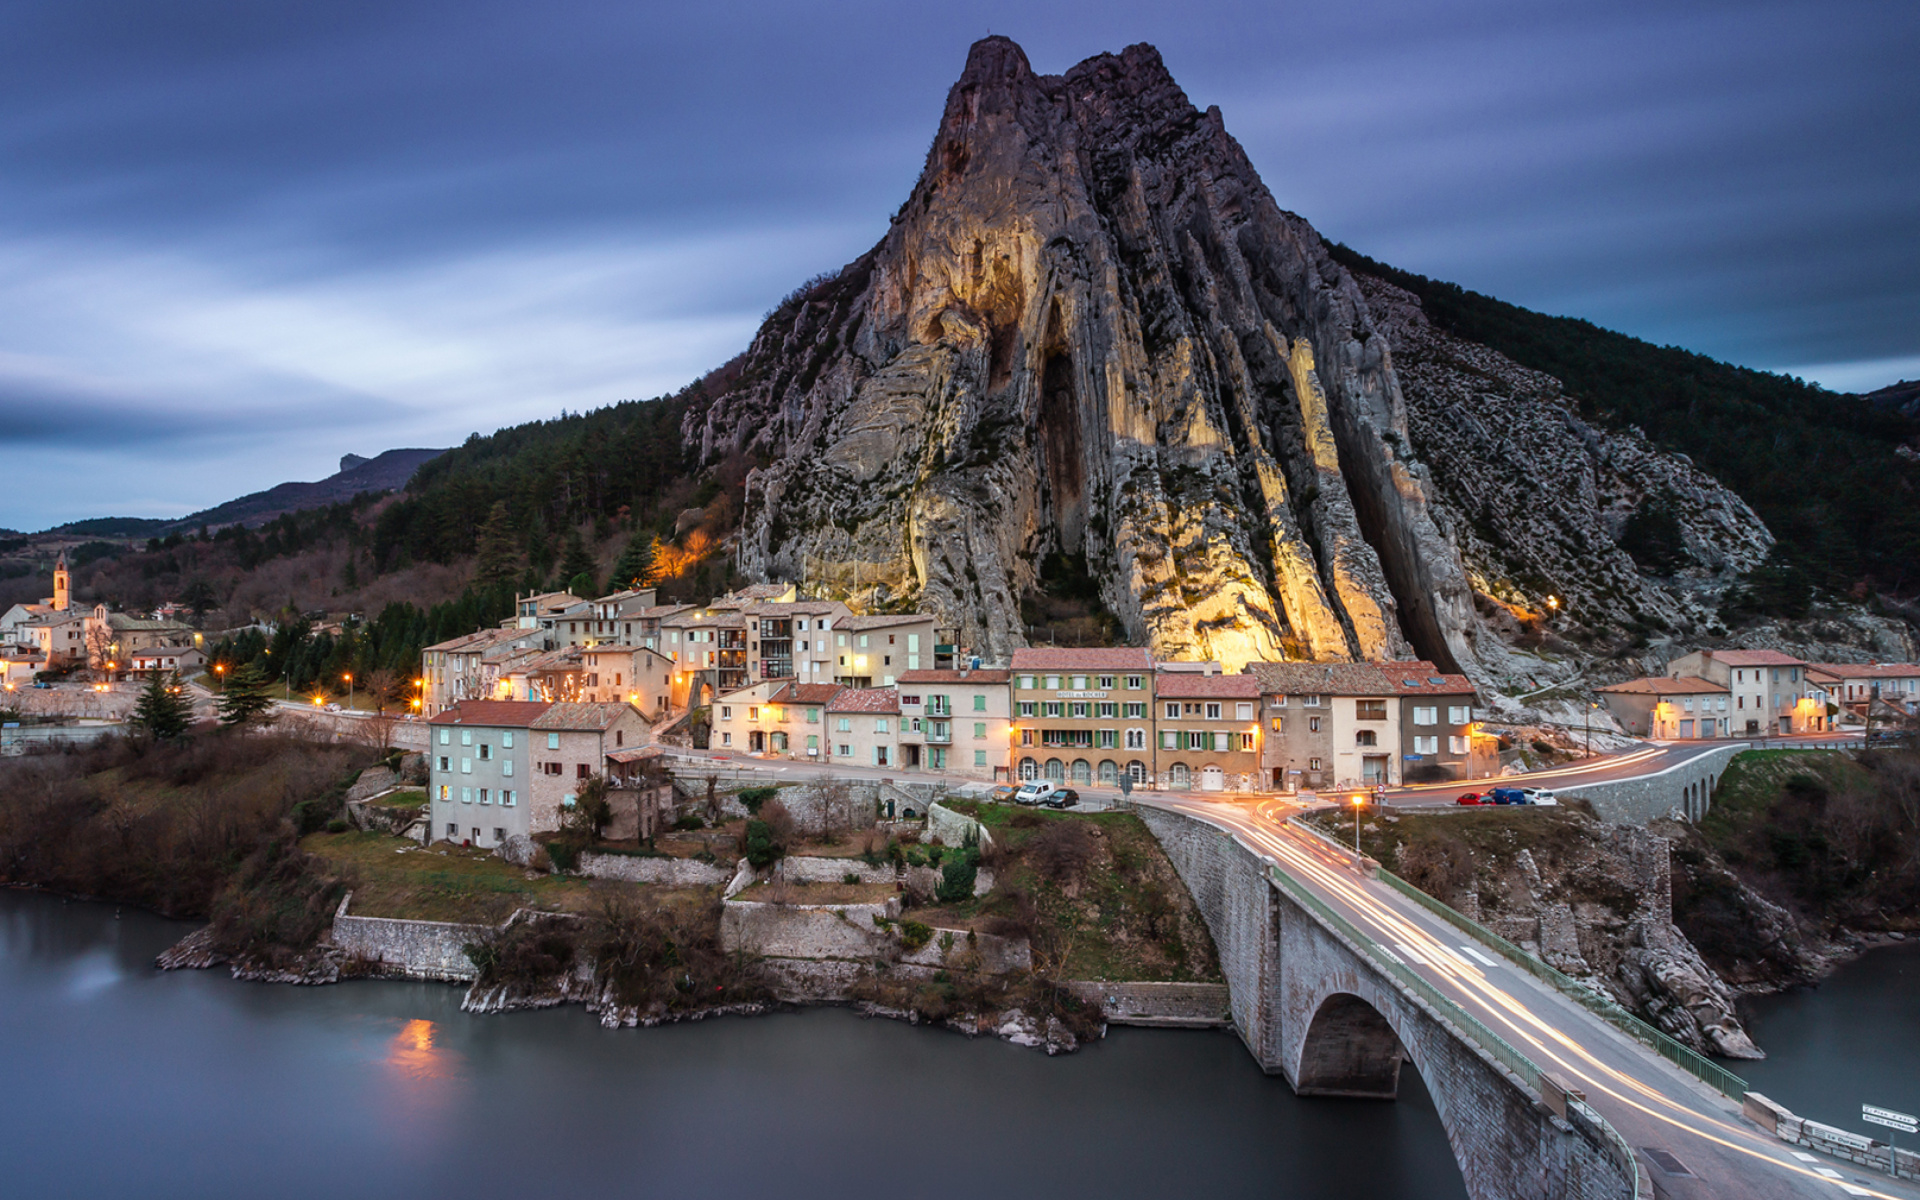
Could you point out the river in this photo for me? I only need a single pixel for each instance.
(124, 1081)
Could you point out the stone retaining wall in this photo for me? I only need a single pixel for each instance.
(417, 949)
(801, 869)
(1840, 1143)
(1178, 1005)
(1687, 788)
(953, 829)
(669, 872)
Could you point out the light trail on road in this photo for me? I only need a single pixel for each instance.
(1330, 870)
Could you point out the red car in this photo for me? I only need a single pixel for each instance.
(1471, 798)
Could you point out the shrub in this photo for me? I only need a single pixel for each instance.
(338, 825)
(762, 848)
(914, 935)
(850, 877)
(753, 798)
(564, 856)
(957, 877)
(689, 823)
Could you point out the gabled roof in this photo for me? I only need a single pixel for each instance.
(1184, 685)
(1753, 658)
(983, 675)
(1065, 658)
(806, 693)
(1662, 685)
(510, 714)
(483, 639)
(882, 621)
(1867, 670)
(1322, 679)
(865, 700)
(593, 718)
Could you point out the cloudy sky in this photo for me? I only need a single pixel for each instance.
(239, 239)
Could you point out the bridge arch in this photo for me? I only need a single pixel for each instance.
(1349, 1049)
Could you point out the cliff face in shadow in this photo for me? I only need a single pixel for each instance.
(1090, 330)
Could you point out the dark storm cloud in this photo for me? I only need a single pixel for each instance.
(264, 235)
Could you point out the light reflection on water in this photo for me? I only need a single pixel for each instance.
(414, 1057)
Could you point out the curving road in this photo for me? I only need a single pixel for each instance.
(1653, 1104)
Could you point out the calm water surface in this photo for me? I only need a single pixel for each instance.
(1853, 1040)
(119, 1080)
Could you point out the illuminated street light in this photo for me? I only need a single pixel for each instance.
(349, 678)
(1359, 802)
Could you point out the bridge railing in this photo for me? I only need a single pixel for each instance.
(1586, 996)
(1495, 1046)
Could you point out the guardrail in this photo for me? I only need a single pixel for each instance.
(1586, 996)
(1495, 1046)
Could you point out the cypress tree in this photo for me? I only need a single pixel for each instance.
(163, 712)
(247, 700)
(635, 567)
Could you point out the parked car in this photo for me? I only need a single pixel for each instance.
(1541, 796)
(1062, 798)
(1035, 791)
(1506, 795)
(1002, 793)
(1471, 798)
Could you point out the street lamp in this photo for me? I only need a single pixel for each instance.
(1591, 705)
(220, 676)
(1359, 802)
(349, 678)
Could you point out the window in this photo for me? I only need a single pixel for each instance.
(466, 766)
(1052, 708)
(486, 752)
(1172, 710)
(863, 641)
(726, 738)
(1310, 701)
(1026, 737)
(979, 758)
(553, 741)
(753, 712)
(506, 740)
(567, 800)
(1426, 745)
(726, 712)
(1276, 701)
(845, 751)
(506, 766)
(813, 716)
(445, 735)
(582, 771)
(1026, 682)
(1459, 714)
(1213, 712)
(1136, 739)
(466, 795)
(1313, 764)
(1426, 714)
(1221, 741)
(1106, 683)
(1199, 740)
(845, 725)
(483, 795)
(880, 725)
(1366, 737)
(552, 768)
(1026, 708)
(466, 737)
(1246, 741)
(1136, 710)
(1107, 710)
(1313, 724)
(1169, 740)
(1135, 682)
(1456, 744)
(1370, 710)
(506, 798)
(979, 730)
(453, 831)
(979, 703)
(443, 763)
(910, 700)
(1279, 724)
(1243, 711)
(1078, 710)
(1106, 739)
(444, 793)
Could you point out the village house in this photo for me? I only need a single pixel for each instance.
(18, 666)
(778, 717)
(571, 744)
(1854, 686)
(1663, 706)
(879, 649)
(616, 619)
(1207, 728)
(113, 637)
(17, 624)
(545, 611)
(1440, 736)
(524, 673)
(1082, 715)
(956, 722)
(1297, 702)
(187, 660)
(1770, 691)
(618, 673)
(468, 667)
(793, 640)
(863, 726)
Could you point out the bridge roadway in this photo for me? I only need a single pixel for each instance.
(1652, 1103)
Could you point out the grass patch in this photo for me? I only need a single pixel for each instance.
(406, 798)
(395, 878)
(818, 893)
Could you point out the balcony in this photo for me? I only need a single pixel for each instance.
(940, 733)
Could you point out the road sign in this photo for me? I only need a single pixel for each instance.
(1904, 1122)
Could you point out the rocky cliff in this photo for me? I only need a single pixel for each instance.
(1092, 332)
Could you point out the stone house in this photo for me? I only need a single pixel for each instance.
(879, 649)
(112, 638)
(616, 619)
(1439, 734)
(59, 638)
(619, 673)
(793, 639)
(956, 722)
(571, 744)
(480, 771)
(1770, 691)
(863, 727)
(188, 660)
(1082, 715)
(1206, 728)
(1668, 707)
(779, 717)
(1853, 686)
(468, 667)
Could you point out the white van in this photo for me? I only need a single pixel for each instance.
(1035, 791)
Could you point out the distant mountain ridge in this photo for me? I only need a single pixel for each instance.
(385, 472)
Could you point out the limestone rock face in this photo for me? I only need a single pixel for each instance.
(1092, 331)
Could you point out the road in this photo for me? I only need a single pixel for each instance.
(1653, 1104)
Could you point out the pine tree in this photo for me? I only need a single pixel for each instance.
(498, 556)
(635, 567)
(247, 700)
(163, 712)
(577, 562)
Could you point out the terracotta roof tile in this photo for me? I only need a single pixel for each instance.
(575, 716)
(1754, 658)
(983, 675)
(865, 700)
(1662, 685)
(1062, 658)
(1180, 685)
(511, 714)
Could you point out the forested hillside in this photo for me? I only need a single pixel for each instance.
(1820, 469)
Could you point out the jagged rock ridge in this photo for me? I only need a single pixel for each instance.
(1091, 330)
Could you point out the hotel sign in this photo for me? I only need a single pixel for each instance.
(1083, 695)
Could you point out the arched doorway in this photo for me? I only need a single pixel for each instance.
(1056, 770)
(1137, 771)
(1029, 769)
(1178, 776)
(1109, 773)
(1082, 771)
